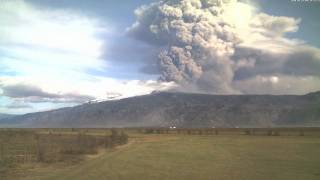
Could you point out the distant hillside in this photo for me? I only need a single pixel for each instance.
(185, 110)
(7, 119)
(4, 116)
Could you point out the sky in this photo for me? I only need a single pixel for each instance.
(63, 53)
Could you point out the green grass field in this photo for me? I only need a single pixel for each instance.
(194, 157)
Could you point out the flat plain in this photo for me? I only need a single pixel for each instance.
(177, 156)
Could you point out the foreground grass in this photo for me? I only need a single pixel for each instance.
(24, 150)
(197, 157)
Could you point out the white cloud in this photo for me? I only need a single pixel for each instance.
(280, 84)
(97, 87)
(62, 30)
(32, 39)
(50, 53)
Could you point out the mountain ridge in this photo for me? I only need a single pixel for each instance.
(164, 109)
(4, 116)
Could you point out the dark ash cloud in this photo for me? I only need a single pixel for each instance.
(225, 47)
(33, 94)
(22, 91)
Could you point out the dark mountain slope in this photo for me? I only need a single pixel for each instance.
(185, 110)
(3, 116)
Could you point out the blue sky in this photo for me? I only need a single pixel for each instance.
(309, 12)
(67, 52)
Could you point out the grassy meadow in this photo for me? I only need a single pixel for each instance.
(22, 147)
(183, 156)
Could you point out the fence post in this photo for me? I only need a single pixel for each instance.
(301, 133)
(40, 152)
(216, 132)
(1, 151)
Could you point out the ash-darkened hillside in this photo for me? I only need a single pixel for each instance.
(3, 116)
(185, 110)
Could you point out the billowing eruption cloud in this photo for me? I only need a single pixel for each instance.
(225, 46)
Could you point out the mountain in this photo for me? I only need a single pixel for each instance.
(4, 116)
(184, 110)
(5, 119)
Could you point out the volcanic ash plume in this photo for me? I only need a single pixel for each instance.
(197, 39)
(205, 42)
